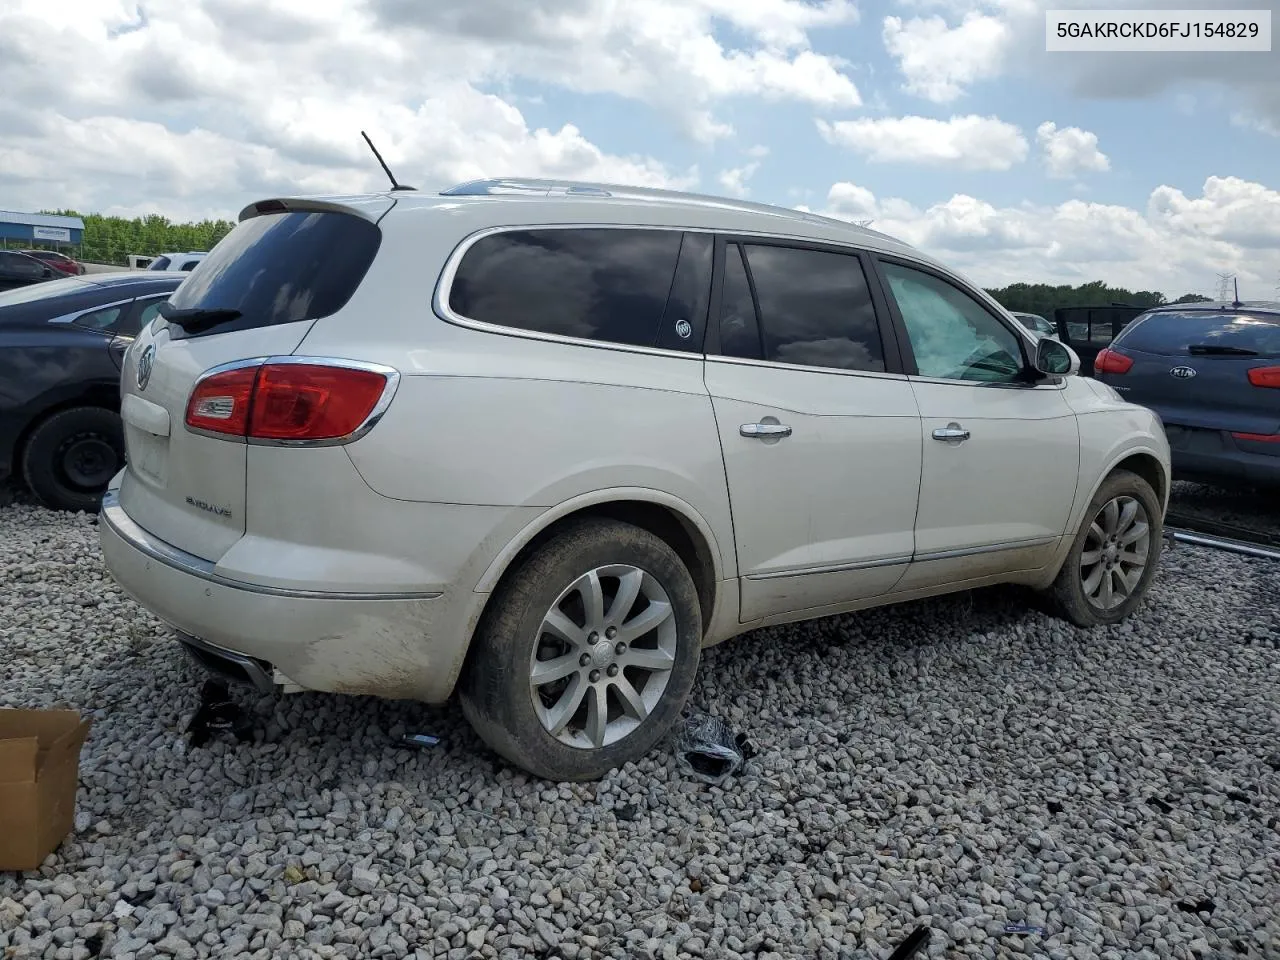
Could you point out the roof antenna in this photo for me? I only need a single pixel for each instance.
(1237, 304)
(395, 184)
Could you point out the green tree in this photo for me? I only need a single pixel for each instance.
(114, 239)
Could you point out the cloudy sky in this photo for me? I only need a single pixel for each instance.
(945, 121)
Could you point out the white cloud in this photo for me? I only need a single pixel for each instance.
(735, 179)
(126, 165)
(211, 102)
(1070, 151)
(968, 142)
(937, 61)
(1177, 245)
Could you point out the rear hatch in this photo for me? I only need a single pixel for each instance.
(285, 265)
(1193, 368)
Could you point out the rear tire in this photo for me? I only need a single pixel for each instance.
(614, 674)
(1114, 556)
(71, 457)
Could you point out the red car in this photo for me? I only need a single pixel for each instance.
(59, 261)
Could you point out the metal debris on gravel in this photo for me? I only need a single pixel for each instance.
(968, 764)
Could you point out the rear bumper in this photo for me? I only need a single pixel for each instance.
(1234, 466)
(396, 646)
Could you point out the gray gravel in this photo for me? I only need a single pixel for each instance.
(963, 763)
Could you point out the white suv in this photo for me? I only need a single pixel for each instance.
(540, 443)
(176, 261)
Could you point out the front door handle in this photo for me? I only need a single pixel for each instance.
(951, 433)
(765, 430)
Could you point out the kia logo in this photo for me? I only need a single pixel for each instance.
(1183, 373)
(145, 363)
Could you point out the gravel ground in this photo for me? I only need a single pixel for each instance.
(963, 763)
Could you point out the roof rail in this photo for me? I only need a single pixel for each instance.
(544, 187)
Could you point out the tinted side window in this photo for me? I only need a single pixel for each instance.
(147, 310)
(952, 336)
(739, 326)
(103, 320)
(281, 268)
(159, 263)
(190, 265)
(815, 308)
(596, 284)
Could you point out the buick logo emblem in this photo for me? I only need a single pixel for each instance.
(684, 329)
(1182, 373)
(145, 363)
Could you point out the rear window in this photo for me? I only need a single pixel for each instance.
(281, 268)
(159, 263)
(1175, 333)
(596, 284)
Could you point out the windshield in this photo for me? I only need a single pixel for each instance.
(1175, 332)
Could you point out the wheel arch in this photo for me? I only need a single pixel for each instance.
(669, 518)
(105, 396)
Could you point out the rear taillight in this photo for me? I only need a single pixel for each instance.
(288, 402)
(1258, 437)
(1108, 361)
(220, 403)
(1265, 376)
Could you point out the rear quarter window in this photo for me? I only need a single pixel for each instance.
(281, 268)
(1179, 333)
(611, 285)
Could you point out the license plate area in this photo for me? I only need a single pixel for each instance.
(148, 455)
(1193, 439)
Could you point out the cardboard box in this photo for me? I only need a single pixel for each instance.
(39, 774)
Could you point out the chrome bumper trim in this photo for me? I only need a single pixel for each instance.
(114, 516)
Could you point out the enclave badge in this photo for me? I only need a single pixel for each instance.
(145, 363)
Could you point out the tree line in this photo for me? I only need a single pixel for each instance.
(113, 239)
(1044, 298)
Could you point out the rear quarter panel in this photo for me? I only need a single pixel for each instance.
(483, 418)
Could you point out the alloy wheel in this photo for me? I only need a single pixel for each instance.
(1115, 552)
(603, 656)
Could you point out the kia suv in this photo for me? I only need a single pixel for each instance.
(539, 443)
(1211, 371)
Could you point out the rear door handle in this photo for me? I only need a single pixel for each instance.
(765, 430)
(951, 433)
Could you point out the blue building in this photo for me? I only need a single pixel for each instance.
(28, 229)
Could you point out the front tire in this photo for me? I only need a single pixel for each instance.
(1115, 553)
(71, 457)
(586, 654)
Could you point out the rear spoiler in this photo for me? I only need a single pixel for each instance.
(371, 206)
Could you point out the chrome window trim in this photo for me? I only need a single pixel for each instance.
(77, 314)
(444, 284)
(800, 368)
(375, 415)
(124, 527)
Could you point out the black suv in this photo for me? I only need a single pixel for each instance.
(61, 344)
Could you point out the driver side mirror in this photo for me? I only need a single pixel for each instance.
(1055, 359)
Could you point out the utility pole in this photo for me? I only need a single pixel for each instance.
(1224, 286)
